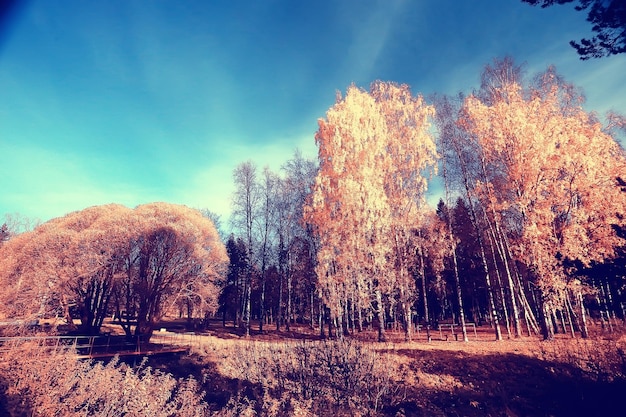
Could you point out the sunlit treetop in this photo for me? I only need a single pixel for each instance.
(550, 168)
(165, 246)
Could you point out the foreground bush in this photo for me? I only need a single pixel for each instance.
(35, 383)
(327, 378)
(312, 378)
(307, 378)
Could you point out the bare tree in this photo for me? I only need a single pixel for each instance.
(245, 205)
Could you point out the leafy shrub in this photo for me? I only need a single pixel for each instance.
(344, 376)
(601, 360)
(57, 384)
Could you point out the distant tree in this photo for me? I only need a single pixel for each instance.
(217, 221)
(4, 233)
(268, 190)
(494, 77)
(469, 259)
(608, 20)
(286, 226)
(231, 295)
(17, 223)
(245, 203)
(267, 217)
(297, 246)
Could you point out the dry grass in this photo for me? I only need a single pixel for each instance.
(54, 383)
(282, 374)
(482, 377)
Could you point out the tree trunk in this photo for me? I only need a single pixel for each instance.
(380, 312)
(570, 314)
(262, 303)
(279, 307)
(492, 305)
(408, 328)
(529, 316)
(605, 305)
(320, 319)
(609, 299)
(346, 320)
(66, 314)
(459, 296)
(330, 327)
(312, 307)
(547, 329)
(248, 304)
(562, 314)
(498, 247)
(503, 248)
(424, 294)
(583, 330)
(498, 280)
(289, 296)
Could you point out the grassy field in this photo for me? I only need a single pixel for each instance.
(279, 373)
(297, 373)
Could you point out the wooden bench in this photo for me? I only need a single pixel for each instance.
(450, 325)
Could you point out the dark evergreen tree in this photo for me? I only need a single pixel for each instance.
(231, 299)
(4, 233)
(608, 20)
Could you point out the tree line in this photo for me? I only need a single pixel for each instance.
(527, 236)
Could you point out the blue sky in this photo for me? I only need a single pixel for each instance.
(139, 101)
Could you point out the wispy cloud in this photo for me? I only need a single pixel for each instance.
(135, 103)
(370, 31)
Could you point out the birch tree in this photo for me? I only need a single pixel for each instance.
(245, 206)
(553, 169)
(297, 244)
(349, 206)
(267, 215)
(369, 189)
(410, 157)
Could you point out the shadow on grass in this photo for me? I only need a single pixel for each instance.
(508, 384)
(269, 333)
(218, 389)
(447, 383)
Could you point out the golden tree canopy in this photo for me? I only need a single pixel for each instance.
(63, 260)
